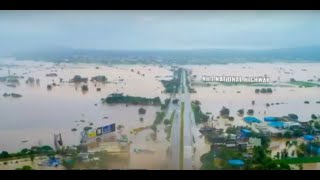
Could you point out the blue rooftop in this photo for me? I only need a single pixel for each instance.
(270, 118)
(246, 131)
(251, 120)
(309, 137)
(53, 162)
(236, 162)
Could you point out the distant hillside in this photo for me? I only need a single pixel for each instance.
(204, 56)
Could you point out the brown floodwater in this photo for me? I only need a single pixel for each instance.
(40, 113)
(292, 97)
(311, 166)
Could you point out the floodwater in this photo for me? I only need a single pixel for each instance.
(311, 166)
(283, 71)
(278, 145)
(40, 113)
(212, 100)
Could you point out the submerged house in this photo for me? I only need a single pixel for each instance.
(254, 142)
(217, 140)
(305, 125)
(264, 129)
(231, 143)
(245, 133)
(207, 131)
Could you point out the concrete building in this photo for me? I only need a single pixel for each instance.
(254, 142)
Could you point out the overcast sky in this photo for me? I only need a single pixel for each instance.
(158, 29)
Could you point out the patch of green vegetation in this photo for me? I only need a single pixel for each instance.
(14, 95)
(261, 161)
(25, 168)
(120, 98)
(284, 85)
(172, 86)
(207, 84)
(245, 84)
(25, 153)
(170, 123)
(199, 116)
(232, 130)
(293, 134)
(182, 88)
(263, 90)
(223, 155)
(300, 160)
(181, 136)
(166, 104)
(190, 89)
(159, 118)
(304, 83)
(208, 161)
(317, 125)
(202, 84)
(87, 128)
(313, 116)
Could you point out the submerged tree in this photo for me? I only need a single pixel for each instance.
(240, 112)
(269, 90)
(49, 87)
(142, 111)
(250, 112)
(166, 122)
(313, 116)
(224, 112)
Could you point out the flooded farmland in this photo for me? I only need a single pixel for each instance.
(40, 113)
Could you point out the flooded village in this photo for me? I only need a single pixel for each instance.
(281, 116)
(97, 116)
(159, 90)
